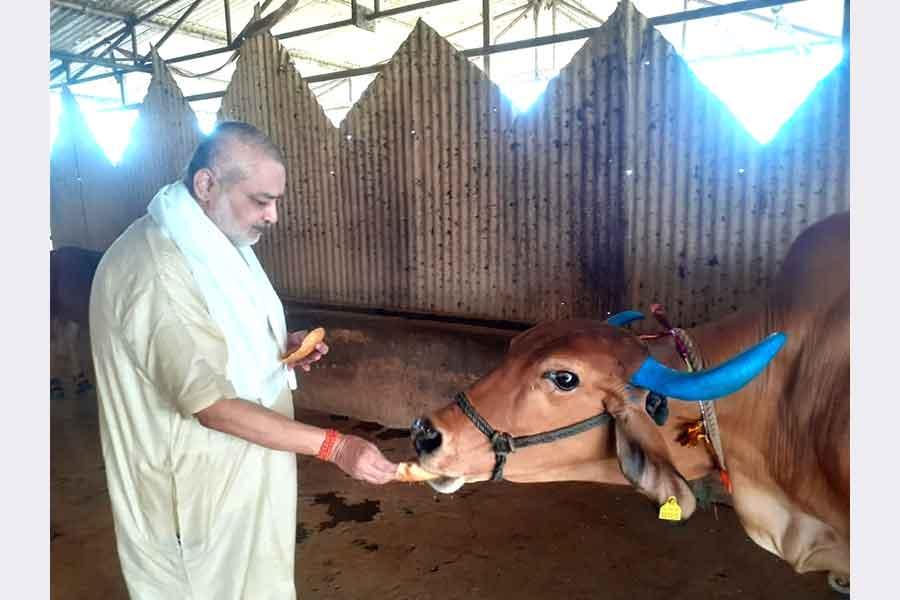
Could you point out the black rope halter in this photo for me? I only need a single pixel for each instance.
(504, 444)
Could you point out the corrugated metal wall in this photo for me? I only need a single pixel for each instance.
(562, 193)
(627, 183)
(162, 142)
(421, 159)
(710, 212)
(306, 253)
(398, 209)
(93, 201)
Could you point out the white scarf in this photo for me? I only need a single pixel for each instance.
(238, 293)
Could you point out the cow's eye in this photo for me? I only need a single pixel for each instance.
(565, 381)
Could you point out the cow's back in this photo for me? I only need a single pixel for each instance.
(811, 428)
(816, 272)
(71, 274)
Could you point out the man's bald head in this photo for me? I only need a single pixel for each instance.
(227, 150)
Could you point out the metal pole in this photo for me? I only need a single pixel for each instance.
(123, 30)
(203, 54)
(316, 29)
(765, 19)
(538, 41)
(326, 88)
(718, 10)
(536, 31)
(228, 21)
(408, 8)
(486, 32)
(481, 23)
(845, 31)
(174, 27)
(91, 61)
(121, 87)
(134, 52)
(105, 40)
(512, 24)
(585, 13)
(82, 80)
(118, 76)
(343, 74)
(574, 18)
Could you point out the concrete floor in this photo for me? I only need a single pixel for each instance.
(402, 541)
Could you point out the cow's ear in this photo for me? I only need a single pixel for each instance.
(644, 458)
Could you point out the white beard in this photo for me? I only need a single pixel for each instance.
(223, 216)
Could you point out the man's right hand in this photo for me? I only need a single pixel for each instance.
(362, 460)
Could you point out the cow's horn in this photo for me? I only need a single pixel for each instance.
(624, 318)
(710, 384)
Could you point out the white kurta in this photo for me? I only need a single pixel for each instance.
(198, 514)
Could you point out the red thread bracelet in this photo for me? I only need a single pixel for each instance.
(327, 448)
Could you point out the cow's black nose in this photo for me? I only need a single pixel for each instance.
(424, 436)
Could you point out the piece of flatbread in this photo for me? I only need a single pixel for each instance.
(411, 472)
(306, 346)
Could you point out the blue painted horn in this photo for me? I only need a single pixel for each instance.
(709, 384)
(624, 318)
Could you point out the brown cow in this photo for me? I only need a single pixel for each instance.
(71, 274)
(785, 434)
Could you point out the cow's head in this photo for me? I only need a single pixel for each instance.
(564, 372)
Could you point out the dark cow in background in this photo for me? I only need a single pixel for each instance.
(71, 273)
(784, 427)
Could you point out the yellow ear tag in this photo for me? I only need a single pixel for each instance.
(670, 511)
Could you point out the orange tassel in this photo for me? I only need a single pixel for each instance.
(726, 480)
(692, 434)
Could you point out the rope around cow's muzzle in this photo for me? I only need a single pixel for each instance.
(503, 444)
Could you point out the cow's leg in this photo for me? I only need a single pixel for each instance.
(70, 346)
(778, 525)
(811, 545)
(57, 388)
(79, 377)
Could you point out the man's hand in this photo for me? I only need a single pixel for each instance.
(293, 342)
(362, 460)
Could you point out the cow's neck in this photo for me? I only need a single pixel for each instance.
(716, 342)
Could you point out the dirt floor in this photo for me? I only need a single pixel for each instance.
(403, 541)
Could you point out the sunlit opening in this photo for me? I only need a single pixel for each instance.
(735, 57)
(524, 93)
(110, 128)
(764, 91)
(206, 121)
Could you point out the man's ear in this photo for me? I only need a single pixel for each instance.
(643, 457)
(203, 185)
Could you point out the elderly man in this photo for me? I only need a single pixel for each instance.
(196, 418)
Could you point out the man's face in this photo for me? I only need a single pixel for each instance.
(246, 208)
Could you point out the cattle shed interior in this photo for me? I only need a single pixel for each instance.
(458, 171)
